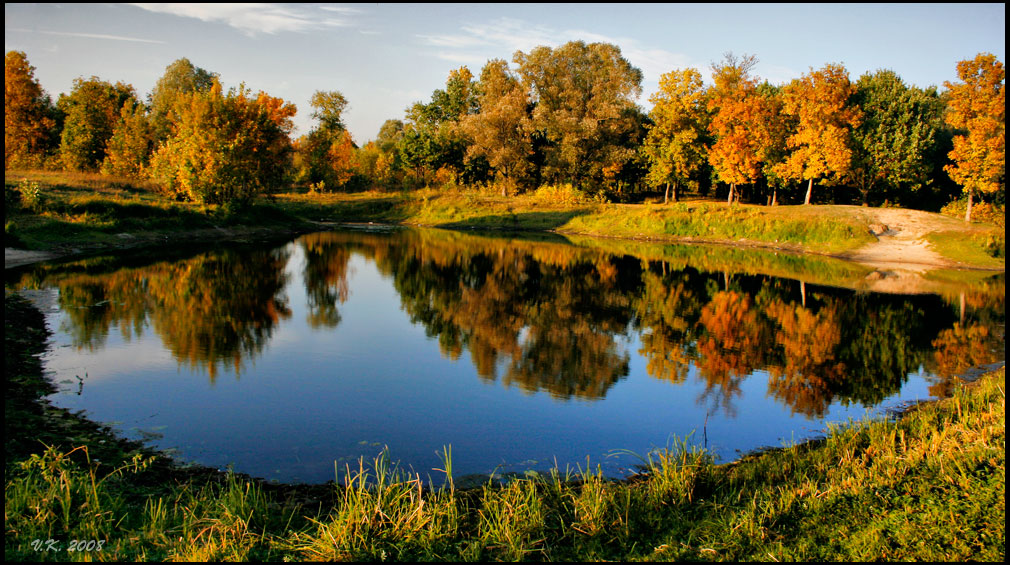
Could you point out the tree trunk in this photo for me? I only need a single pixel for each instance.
(803, 293)
(732, 189)
(810, 190)
(967, 212)
(666, 196)
(675, 185)
(775, 196)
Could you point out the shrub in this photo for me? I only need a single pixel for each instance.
(981, 212)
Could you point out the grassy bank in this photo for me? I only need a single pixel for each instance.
(69, 213)
(63, 212)
(930, 486)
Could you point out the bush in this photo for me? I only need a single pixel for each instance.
(560, 194)
(981, 212)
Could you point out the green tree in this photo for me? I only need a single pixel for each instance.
(437, 141)
(92, 110)
(226, 148)
(978, 108)
(584, 105)
(676, 145)
(323, 156)
(822, 145)
(895, 141)
(28, 114)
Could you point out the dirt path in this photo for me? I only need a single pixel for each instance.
(901, 242)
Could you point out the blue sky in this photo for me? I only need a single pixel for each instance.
(383, 57)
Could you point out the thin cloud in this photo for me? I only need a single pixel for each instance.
(252, 18)
(90, 35)
(341, 10)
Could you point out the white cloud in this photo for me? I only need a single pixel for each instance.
(252, 18)
(504, 36)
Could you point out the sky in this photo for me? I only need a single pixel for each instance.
(385, 57)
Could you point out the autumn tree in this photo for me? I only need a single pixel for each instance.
(180, 78)
(500, 132)
(323, 156)
(129, 150)
(822, 145)
(977, 107)
(776, 128)
(92, 110)
(894, 143)
(676, 143)
(387, 163)
(584, 105)
(739, 114)
(28, 113)
(226, 148)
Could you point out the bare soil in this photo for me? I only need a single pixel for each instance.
(901, 240)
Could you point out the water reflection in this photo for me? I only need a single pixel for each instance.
(210, 310)
(554, 317)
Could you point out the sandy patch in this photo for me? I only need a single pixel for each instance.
(901, 243)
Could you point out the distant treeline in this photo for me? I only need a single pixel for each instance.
(556, 116)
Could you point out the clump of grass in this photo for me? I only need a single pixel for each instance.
(382, 513)
(51, 495)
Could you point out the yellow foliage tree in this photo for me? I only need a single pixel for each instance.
(226, 148)
(821, 146)
(978, 107)
(675, 144)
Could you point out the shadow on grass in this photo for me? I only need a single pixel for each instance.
(383, 209)
(517, 222)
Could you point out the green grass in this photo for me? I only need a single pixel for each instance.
(60, 211)
(930, 486)
(983, 247)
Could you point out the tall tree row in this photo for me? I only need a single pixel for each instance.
(565, 115)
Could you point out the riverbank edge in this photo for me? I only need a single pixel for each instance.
(695, 506)
(824, 231)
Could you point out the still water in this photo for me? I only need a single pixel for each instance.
(289, 361)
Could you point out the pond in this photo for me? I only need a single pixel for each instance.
(290, 361)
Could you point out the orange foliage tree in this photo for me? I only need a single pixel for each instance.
(27, 122)
(978, 107)
(739, 116)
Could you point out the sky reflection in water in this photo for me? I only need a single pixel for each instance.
(519, 354)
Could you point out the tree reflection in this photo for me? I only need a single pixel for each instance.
(731, 345)
(809, 372)
(534, 316)
(325, 276)
(553, 317)
(213, 309)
